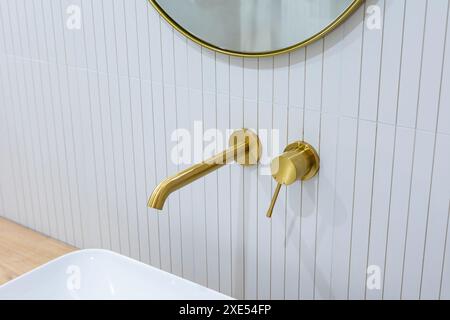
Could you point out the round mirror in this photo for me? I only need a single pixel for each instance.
(255, 27)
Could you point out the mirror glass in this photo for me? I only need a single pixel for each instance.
(253, 26)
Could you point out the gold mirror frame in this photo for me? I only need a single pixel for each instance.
(340, 19)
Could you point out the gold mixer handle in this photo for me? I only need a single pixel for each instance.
(274, 199)
(299, 162)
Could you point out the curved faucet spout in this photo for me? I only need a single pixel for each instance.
(178, 181)
(245, 148)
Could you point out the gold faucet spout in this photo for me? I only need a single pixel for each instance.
(245, 148)
(178, 181)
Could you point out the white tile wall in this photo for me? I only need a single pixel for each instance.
(86, 118)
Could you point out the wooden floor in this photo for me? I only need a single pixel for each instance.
(22, 250)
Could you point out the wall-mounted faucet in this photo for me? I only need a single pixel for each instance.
(245, 149)
(299, 161)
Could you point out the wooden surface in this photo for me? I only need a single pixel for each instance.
(22, 250)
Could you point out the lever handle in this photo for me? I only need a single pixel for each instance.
(298, 162)
(274, 199)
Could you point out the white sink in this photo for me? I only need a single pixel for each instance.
(101, 274)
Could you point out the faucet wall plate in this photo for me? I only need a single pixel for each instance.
(253, 154)
(302, 146)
